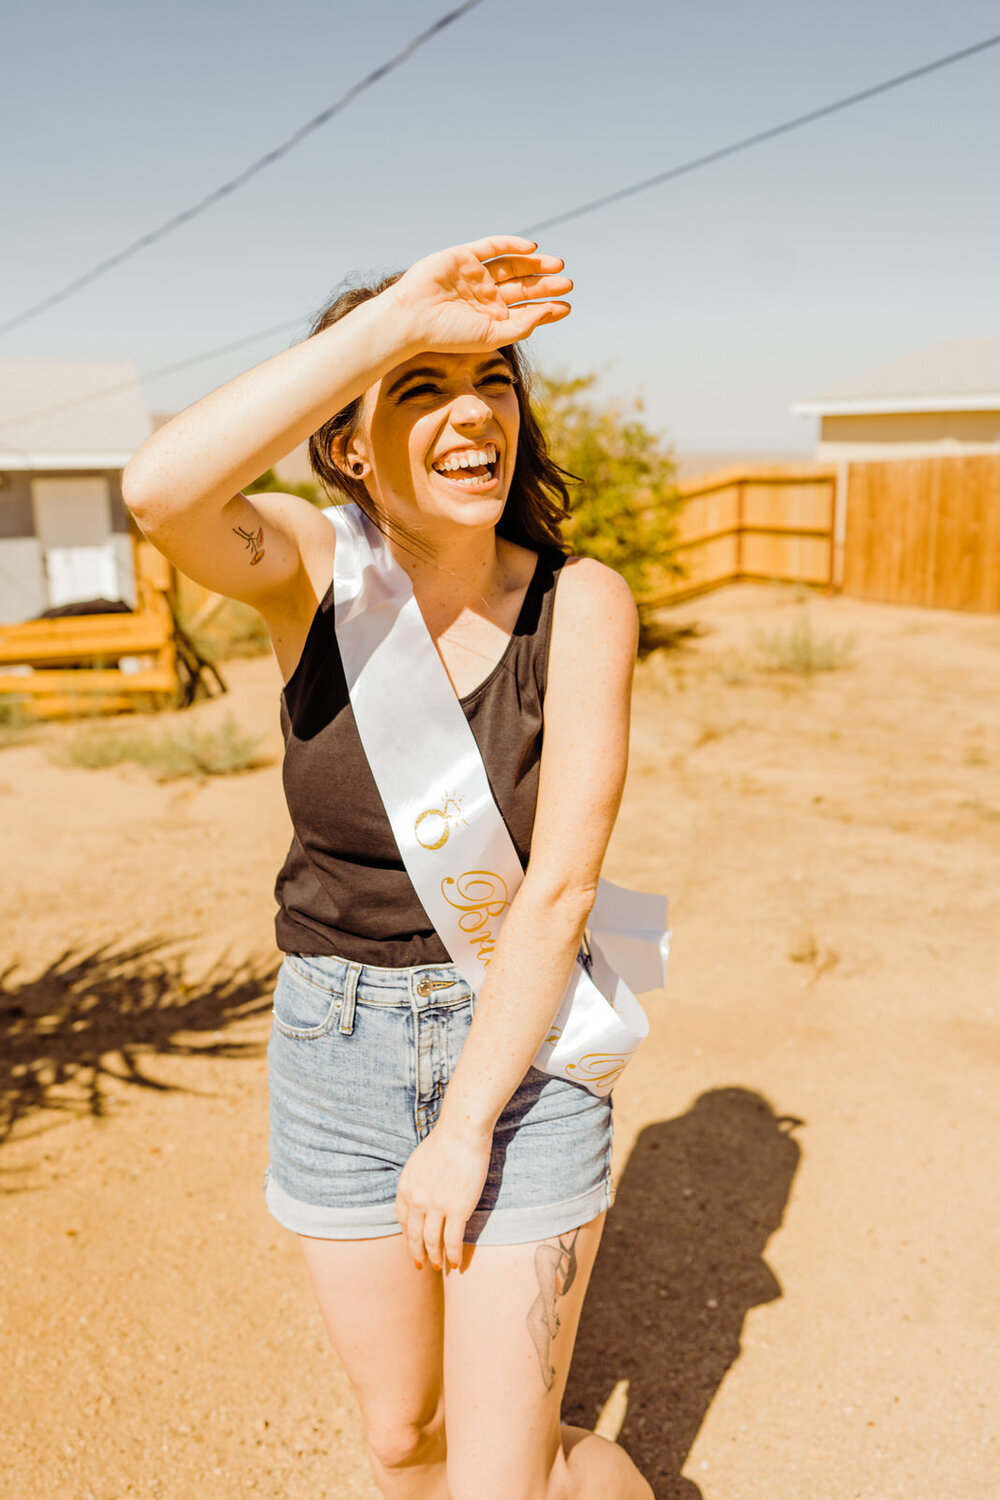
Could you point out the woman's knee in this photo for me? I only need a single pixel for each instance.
(397, 1442)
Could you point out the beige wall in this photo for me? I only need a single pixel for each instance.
(920, 434)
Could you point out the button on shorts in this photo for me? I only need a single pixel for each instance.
(358, 1062)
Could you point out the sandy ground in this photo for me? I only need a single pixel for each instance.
(798, 1280)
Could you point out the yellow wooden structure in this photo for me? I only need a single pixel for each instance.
(89, 664)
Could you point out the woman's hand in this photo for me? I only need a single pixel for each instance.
(438, 1190)
(464, 300)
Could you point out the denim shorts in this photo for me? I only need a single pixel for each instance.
(358, 1062)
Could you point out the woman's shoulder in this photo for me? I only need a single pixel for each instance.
(590, 588)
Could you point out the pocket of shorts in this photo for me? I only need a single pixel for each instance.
(302, 1008)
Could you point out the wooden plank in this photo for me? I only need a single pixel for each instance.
(988, 590)
(925, 531)
(82, 636)
(85, 684)
(79, 708)
(788, 558)
(796, 506)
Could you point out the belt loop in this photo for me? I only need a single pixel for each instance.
(347, 1004)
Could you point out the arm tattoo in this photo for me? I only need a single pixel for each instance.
(255, 541)
(555, 1267)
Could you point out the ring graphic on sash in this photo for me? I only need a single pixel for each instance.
(433, 825)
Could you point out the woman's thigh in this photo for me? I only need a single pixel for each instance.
(511, 1319)
(385, 1319)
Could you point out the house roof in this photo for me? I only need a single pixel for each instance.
(959, 375)
(70, 414)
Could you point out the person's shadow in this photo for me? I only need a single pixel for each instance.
(680, 1263)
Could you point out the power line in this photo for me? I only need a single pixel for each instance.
(762, 135)
(268, 160)
(693, 165)
(128, 385)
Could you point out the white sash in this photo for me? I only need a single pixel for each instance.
(451, 836)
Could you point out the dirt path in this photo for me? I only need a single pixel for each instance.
(798, 1280)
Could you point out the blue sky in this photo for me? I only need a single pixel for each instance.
(718, 299)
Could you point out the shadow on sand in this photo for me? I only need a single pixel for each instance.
(680, 1263)
(93, 1018)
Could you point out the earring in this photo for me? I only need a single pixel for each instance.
(357, 467)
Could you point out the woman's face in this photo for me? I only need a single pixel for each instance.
(440, 435)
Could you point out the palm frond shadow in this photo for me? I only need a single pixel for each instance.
(93, 1019)
(680, 1264)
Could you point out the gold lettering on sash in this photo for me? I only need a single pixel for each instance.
(479, 895)
(600, 1068)
(433, 825)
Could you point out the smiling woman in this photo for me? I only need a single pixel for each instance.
(537, 498)
(448, 1194)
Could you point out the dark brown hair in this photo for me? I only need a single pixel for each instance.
(538, 500)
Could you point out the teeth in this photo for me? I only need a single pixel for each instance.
(470, 459)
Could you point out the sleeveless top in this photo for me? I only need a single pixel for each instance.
(343, 889)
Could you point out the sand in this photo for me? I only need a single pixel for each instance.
(797, 1294)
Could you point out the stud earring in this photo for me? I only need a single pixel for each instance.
(357, 467)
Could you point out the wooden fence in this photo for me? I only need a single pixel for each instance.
(924, 531)
(904, 531)
(767, 522)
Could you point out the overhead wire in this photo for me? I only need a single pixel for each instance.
(223, 191)
(146, 375)
(757, 139)
(694, 164)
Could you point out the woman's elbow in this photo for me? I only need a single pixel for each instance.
(565, 896)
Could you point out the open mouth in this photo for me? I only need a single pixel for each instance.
(470, 468)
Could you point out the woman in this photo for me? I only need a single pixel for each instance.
(449, 1197)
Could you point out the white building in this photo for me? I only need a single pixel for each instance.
(940, 401)
(67, 429)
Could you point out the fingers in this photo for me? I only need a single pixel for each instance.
(502, 244)
(411, 1221)
(454, 1246)
(509, 266)
(525, 288)
(524, 320)
(432, 1235)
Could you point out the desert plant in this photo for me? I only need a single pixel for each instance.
(168, 755)
(14, 722)
(801, 650)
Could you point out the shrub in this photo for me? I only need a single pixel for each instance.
(801, 651)
(169, 755)
(625, 503)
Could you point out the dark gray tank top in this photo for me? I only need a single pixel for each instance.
(343, 888)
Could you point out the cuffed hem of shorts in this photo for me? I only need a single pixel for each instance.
(519, 1226)
(495, 1226)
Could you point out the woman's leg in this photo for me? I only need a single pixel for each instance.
(385, 1319)
(510, 1324)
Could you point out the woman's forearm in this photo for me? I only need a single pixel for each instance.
(525, 983)
(210, 451)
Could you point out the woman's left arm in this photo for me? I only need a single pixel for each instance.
(582, 776)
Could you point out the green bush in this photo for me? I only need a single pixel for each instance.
(624, 506)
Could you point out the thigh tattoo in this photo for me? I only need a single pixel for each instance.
(555, 1267)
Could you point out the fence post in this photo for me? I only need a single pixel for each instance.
(838, 527)
(740, 509)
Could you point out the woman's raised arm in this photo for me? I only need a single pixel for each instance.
(184, 484)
